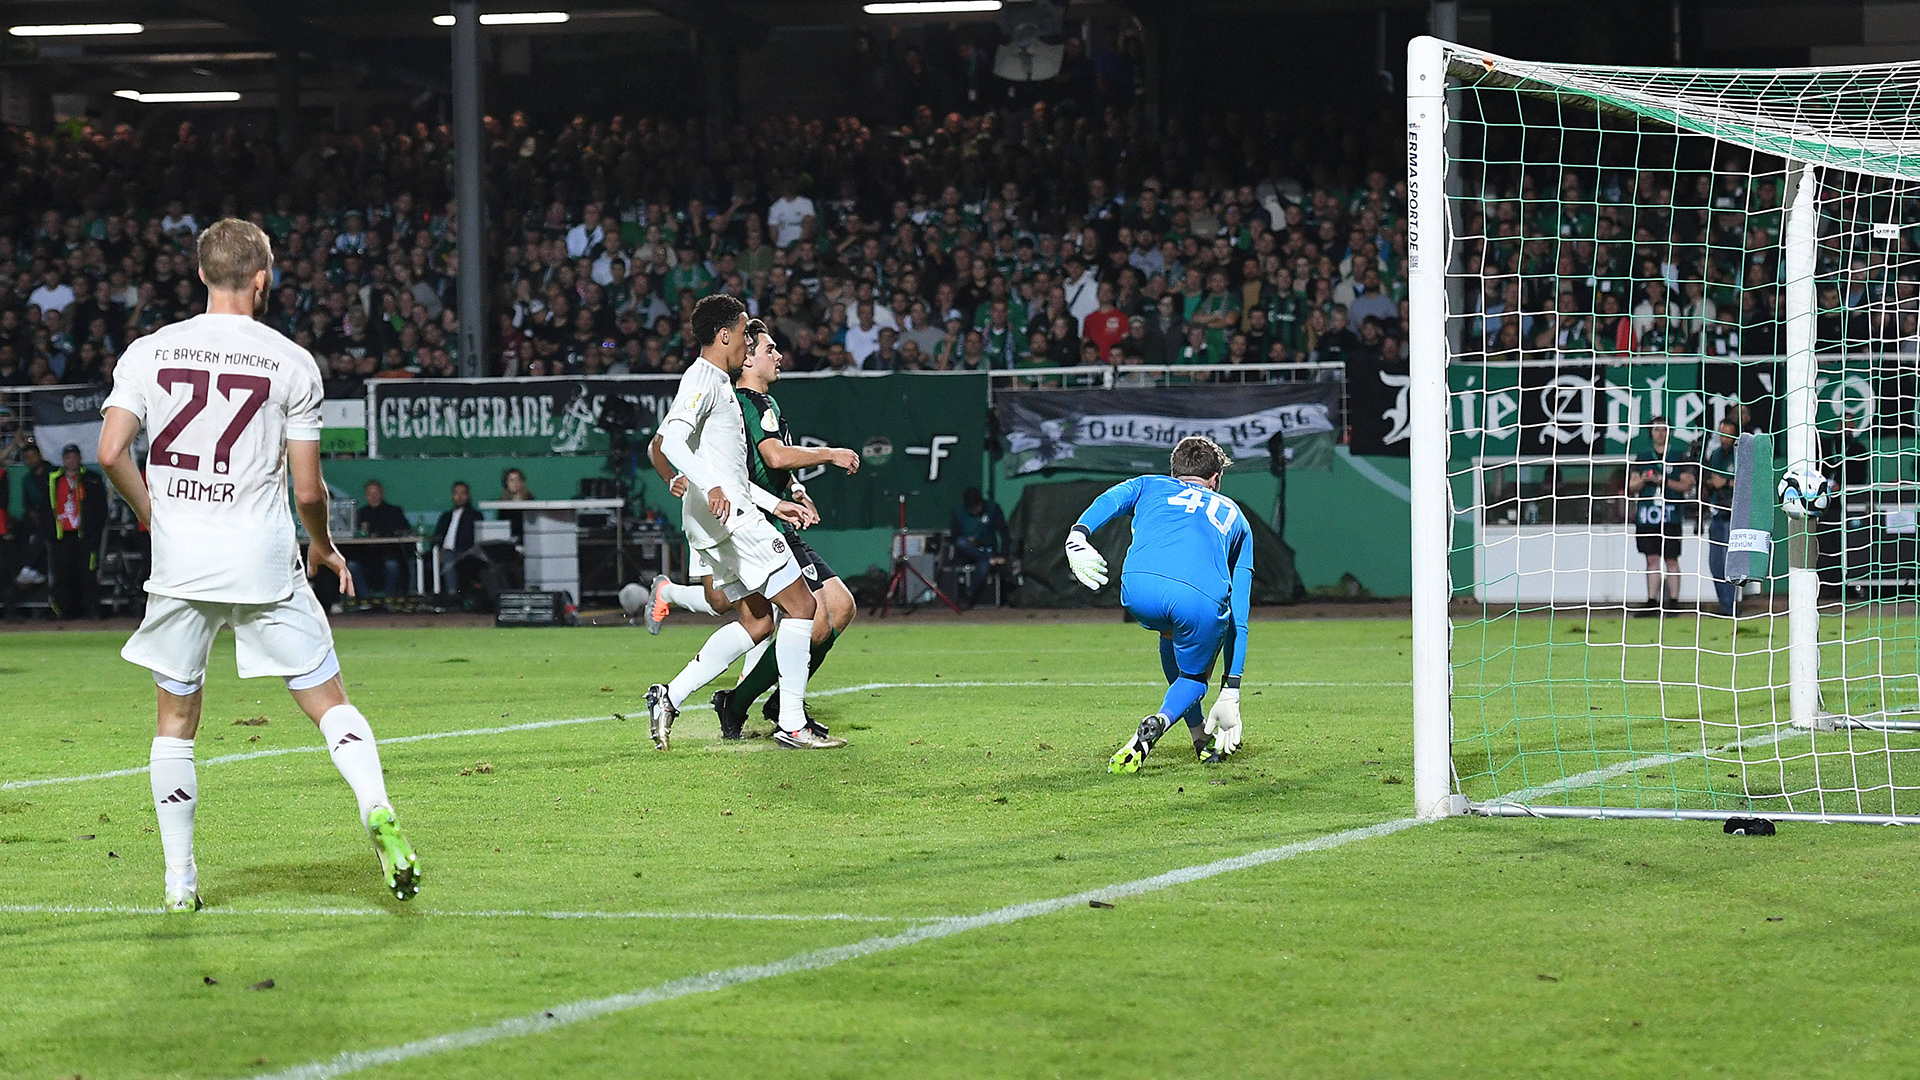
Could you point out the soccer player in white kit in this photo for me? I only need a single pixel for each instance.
(704, 436)
(230, 404)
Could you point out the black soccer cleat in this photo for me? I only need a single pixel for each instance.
(732, 724)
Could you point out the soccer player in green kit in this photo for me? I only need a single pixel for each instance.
(773, 457)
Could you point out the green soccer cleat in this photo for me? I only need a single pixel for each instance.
(1130, 757)
(398, 863)
(183, 901)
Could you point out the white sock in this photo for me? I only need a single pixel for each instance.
(691, 597)
(350, 741)
(793, 647)
(729, 643)
(176, 791)
(753, 657)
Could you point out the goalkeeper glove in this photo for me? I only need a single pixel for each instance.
(1223, 722)
(1087, 564)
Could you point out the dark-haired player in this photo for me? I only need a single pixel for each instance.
(772, 457)
(704, 437)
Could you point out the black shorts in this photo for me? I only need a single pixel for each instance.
(1661, 540)
(813, 569)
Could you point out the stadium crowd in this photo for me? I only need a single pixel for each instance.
(1003, 239)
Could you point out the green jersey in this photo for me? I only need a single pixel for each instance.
(763, 420)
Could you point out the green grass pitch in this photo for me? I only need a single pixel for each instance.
(1468, 948)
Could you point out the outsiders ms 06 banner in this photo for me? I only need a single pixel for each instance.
(1133, 431)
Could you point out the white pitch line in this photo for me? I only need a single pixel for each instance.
(255, 755)
(863, 687)
(1601, 776)
(341, 912)
(574, 1012)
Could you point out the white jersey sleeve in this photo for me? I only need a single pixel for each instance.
(706, 404)
(219, 396)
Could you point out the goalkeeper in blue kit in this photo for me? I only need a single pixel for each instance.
(1188, 574)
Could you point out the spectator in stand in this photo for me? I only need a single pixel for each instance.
(885, 356)
(863, 338)
(380, 518)
(77, 497)
(789, 214)
(1106, 325)
(584, 239)
(53, 295)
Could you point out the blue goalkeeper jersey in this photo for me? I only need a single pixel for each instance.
(1187, 533)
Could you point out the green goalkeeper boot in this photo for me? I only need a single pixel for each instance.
(398, 864)
(1130, 757)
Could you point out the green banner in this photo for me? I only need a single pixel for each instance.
(1601, 408)
(921, 435)
(510, 417)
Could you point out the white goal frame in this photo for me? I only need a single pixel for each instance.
(1430, 229)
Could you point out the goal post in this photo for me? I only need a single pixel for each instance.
(1431, 504)
(1604, 265)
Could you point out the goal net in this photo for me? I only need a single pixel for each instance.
(1638, 297)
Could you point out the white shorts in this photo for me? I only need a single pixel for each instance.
(697, 566)
(287, 638)
(754, 558)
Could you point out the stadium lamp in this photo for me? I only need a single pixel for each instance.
(77, 29)
(512, 18)
(933, 7)
(184, 98)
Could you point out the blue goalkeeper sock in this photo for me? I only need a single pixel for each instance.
(1170, 665)
(1183, 697)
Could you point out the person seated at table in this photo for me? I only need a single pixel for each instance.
(453, 540)
(513, 488)
(979, 536)
(380, 518)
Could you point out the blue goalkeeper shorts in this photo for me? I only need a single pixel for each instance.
(1199, 622)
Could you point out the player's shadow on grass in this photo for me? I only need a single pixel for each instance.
(346, 880)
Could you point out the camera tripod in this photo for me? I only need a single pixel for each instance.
(897, 585)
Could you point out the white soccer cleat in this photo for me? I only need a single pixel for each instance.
(660, 715)
(808, 738)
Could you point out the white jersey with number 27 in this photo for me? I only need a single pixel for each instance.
(219, 396)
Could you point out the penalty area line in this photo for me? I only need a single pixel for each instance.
(536, 725)
(353, 1061)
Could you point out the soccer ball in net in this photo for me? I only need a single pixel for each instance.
(1804, 492)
